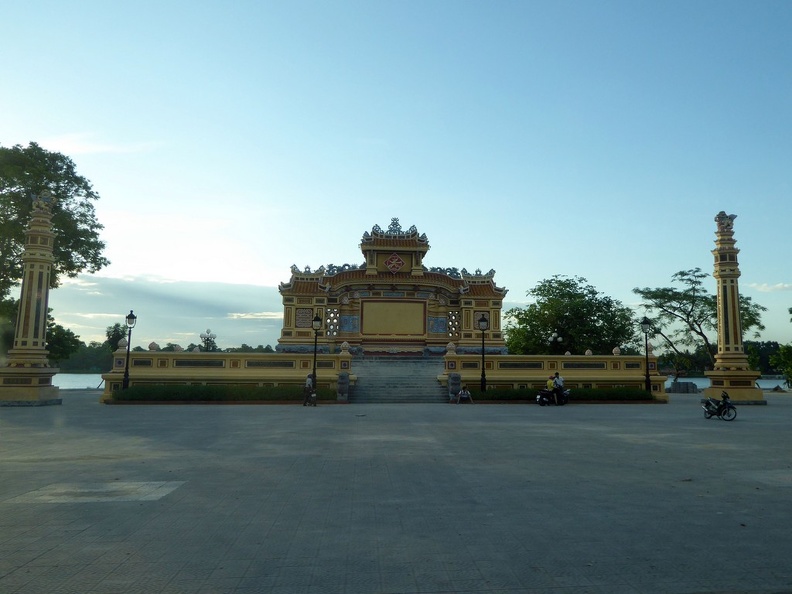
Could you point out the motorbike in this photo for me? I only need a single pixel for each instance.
(723, 409)
(546, 398)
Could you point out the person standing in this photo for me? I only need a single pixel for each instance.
(558, 387)
(549, 390)
(308, 389)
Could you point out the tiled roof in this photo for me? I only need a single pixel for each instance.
(389, 241)
(300, 287)
(487, 291)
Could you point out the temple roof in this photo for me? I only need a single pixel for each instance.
(312, 283)
(335, 279)
(394, 237)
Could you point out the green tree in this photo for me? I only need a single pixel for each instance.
(25, 172)
(95, 357)
(583, 317)
(782, 360)
(8, 312)
(759, 355)
(246, 348)
(685, 317)
(115, 334)
(61, 342)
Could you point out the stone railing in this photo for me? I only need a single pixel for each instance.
(578, 371)
(250, 369)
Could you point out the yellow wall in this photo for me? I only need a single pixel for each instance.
(394, 318)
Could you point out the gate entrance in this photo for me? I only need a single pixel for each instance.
(392, 301)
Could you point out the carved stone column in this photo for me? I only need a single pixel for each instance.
(26, 376)
(732, 372)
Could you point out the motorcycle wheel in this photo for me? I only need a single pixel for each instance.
(707, 414)
(541, 402)
(729, 413)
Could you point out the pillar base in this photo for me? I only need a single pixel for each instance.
(28, 386)
(30, 396)
(740, 384)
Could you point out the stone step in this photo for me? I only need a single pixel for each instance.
(397, 379)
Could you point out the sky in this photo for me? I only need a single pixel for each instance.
(230, 140)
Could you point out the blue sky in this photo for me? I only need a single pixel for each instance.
(230, 140)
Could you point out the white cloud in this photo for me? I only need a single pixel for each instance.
(263, 315)
(766, 288)
(93, 316)
(78, 281)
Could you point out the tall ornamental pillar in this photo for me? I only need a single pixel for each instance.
(732, 372)
(26, 376)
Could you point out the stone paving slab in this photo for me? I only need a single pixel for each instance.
(394, 498)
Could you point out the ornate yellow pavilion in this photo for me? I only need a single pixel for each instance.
(391, 303)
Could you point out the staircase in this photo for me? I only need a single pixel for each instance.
(399, 379)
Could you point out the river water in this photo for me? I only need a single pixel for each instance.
(764, 383)
(78, 381)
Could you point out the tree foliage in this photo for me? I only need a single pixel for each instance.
(8, 313)
(570, 308)
(95, 357)
(115, 334)
(782, 360)
(685, 318)
(25, 172)
(760, 354)
(61, 342)
(246, 348)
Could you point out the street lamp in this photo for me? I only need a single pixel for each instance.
(208, 338)
(131, 320)
(646, 325)
(483, 324)
(317, 325)
(554, 337)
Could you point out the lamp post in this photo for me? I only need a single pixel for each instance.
(317, 325)
(131, 320)
(646, 325)
(555, 338)
(208, 338)
(483, 324)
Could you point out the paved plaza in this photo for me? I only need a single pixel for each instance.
(391, 498)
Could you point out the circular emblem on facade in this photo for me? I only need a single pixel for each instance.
(394, 263)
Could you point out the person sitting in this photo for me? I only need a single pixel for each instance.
(464, 394)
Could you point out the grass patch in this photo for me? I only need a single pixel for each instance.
(183, 393)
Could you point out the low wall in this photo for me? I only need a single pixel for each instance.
(578, 371)
(242, 369)
(290, 369)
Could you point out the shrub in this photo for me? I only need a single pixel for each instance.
(216, 393)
